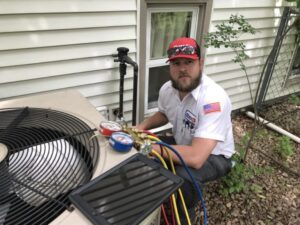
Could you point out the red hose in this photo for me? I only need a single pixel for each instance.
(164, 214)
(149, 133)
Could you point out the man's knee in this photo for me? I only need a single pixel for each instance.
(221, 164)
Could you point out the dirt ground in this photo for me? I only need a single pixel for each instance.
(276, 198)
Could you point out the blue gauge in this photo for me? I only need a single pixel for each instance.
(121, 141)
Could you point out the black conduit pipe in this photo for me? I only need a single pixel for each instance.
(123, 58)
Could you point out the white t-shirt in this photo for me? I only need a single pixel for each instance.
(205, 113)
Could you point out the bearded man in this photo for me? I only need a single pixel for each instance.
(200, 112)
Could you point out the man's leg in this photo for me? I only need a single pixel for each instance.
(214, 168)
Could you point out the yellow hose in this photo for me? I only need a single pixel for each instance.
(174, 171)
(179, 191)
(173, 196)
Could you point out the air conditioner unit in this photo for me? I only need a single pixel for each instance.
(49, 146)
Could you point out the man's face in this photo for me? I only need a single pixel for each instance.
(185, 74)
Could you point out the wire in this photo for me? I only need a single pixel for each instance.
(149, 133)
(179, 191)
(198, 189)
(173, 196)
(174, 171)
(172, 212)
(164, 214)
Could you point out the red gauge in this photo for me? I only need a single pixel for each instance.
(109, 127)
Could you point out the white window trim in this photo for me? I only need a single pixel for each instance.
(161, 62)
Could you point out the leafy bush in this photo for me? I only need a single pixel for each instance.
(285, 147)
(227, 34)
(238, 179)
(294, 99)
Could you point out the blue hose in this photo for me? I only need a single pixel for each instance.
(197, 187)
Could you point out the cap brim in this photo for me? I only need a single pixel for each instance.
(194, 57)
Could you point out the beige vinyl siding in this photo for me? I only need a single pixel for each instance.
(264, 15)
(65, 6)
(49, 45)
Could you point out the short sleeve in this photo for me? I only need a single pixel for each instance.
(214, 119)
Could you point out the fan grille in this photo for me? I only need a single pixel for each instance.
(49, 154)
(127, 193)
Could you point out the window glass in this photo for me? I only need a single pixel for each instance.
(296, 64)
(165, 27)
(158, 76)
(293, 68)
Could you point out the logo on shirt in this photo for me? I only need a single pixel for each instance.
(212, 107)
(189, 120)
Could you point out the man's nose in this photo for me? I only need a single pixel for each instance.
(182, 67)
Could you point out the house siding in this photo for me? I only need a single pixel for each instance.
(264, 15)
(47, 46)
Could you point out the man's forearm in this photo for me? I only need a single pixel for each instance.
(157, 120)
(195, 155)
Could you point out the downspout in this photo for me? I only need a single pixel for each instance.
(273, 126)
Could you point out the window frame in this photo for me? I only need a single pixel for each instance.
(169, 9)
(202, 24)
(150, 63)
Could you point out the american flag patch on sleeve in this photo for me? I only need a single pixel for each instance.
(212, 107)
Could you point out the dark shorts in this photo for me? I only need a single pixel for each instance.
(215, 166)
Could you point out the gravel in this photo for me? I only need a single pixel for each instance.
(275, 200)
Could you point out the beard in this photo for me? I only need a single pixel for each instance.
(186, 88)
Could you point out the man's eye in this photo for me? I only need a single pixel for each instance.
(175, 63)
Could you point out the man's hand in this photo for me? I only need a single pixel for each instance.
(194, 156)
(154, 121)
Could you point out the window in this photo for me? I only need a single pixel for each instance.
(293, 75)
(295, 66)
(164, 25)
(160, 23)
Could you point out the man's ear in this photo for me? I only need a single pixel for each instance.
(201, 61)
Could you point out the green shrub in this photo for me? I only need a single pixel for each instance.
(294, 99)
(227, 34)
(285, 147)
(239, 178)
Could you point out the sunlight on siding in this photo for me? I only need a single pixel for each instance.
(265, 16)
(43, 23)
(277, 12)
(34, 38)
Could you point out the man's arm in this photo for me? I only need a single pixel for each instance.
(157, 120)
(195, 155)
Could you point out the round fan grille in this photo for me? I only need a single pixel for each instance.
(44, 155)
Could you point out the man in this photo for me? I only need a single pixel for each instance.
(200, 112)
